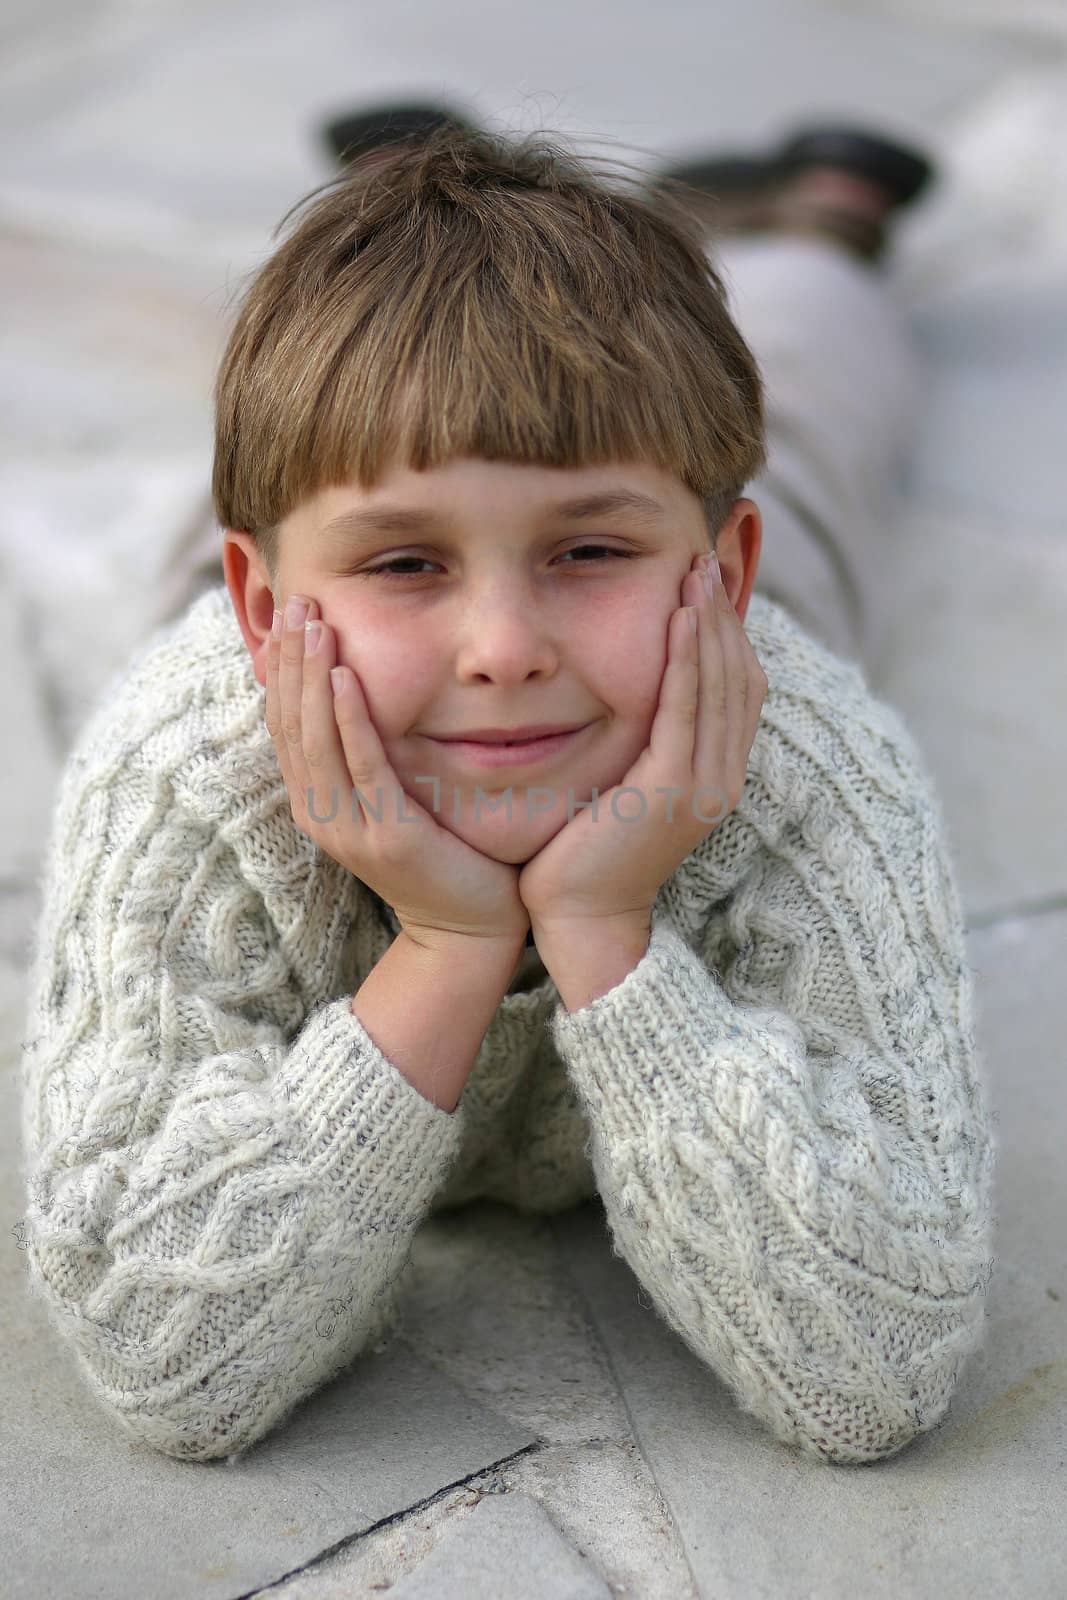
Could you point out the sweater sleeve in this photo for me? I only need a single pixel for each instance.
(795, 1152)
(223, 1185)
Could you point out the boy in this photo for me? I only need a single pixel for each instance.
(485, 414)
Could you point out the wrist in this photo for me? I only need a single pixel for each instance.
(459, 946)
(588, 957)
(623, 923)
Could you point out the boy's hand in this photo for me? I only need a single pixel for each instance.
(613, 865)
(435, 882)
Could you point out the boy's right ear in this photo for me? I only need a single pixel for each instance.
(251, 595)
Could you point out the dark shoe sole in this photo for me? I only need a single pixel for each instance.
(902, 171)
(354, 133)
(899, 169)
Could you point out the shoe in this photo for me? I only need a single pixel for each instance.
(802, 186)
(354, 134)
(902, 171)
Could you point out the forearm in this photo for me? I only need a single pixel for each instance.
(427, 1006)
(730, 1175)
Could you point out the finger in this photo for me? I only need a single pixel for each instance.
(272, 715)
(327, 795)
(290, 700)
(270, 710)
(672, 735)
(712, 734)
(746, 688)
(367, 766)
(735, 696)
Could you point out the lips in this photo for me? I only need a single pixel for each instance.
(525, 733)
(524, 752)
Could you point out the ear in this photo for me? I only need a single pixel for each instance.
(738, 546)
(251, 594)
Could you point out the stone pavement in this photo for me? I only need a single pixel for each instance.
(534, 1428)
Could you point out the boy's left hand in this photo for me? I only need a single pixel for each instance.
(710, 702)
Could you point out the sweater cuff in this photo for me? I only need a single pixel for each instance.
(358, 1120)
(646, 1039)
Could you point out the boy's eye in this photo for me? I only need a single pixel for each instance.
(599, 549)
(387, 568)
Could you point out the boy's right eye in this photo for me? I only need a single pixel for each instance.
(398, 561)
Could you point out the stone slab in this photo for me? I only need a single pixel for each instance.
(596, 1494)
(87, 1513)
(31, 765)
(993, 355)
(510, 1546)
(974, 659)
(486, 1303)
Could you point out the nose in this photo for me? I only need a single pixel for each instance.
(506, 637)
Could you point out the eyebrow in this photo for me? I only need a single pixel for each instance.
(365, 522)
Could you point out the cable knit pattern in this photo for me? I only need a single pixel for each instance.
(781, 1105)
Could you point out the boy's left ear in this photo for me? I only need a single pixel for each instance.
(738, 547)
(251, 595)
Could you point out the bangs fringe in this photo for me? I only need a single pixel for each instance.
(473, 296)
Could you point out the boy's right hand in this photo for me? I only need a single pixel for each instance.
(435, 882)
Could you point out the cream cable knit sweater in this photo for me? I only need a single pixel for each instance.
(780, 1105)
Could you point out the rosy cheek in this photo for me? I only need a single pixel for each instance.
(382, 656)
(629, 652)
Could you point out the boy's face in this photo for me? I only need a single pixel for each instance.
(497, 614)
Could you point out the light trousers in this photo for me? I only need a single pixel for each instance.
(840, 378)
(841, 382)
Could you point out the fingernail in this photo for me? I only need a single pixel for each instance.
(276, 625)
(711, 573)
(295, 612)
(312, 635)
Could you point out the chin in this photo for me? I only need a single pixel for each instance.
(516, 855)
(513, 852)
(503, 850)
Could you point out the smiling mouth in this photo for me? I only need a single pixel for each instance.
(526, 738)
(495, 753)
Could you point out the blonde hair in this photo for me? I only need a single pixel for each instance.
(471, 294)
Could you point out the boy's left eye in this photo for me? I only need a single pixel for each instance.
(386, 567)
(602, 549)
